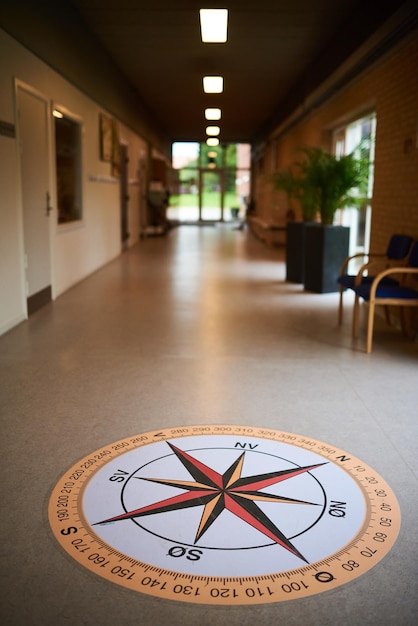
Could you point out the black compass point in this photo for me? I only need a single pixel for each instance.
(271, 497)
(308, 468)
(303, 558)
(197, 469)
(273, 477)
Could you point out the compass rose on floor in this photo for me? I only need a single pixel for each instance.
(218, 492)
(224, 514)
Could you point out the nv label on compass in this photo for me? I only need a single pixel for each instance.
(224, 515)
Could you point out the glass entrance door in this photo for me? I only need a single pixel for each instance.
(211, 195)
(209, 183)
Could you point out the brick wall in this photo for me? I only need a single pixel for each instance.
(395, 194)
(390, 89)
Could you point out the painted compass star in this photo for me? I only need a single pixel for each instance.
(228, 491)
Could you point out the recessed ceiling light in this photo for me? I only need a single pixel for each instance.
(214, 25)
(213, 84)
(212, 141)
(213, 130)
(213, 114)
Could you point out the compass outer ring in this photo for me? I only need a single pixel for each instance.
(369, 546)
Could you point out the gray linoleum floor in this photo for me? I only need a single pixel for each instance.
(198, 327)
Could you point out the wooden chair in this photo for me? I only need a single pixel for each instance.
(397, 251)
(403, 294)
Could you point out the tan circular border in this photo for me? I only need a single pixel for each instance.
(78, 539)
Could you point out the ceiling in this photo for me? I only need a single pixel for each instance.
(278, 52)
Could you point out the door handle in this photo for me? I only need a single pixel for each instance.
(48, 203)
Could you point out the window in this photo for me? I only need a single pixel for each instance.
(347, 139)
(68, 167)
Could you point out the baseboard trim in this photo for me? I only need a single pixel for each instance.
(39, 299)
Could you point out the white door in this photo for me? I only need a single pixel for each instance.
(34, 168)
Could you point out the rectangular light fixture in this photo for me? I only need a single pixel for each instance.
(213, 114)
(212, 141)
(213, 84)
(214, 25)
(57, 113)
(213, 130)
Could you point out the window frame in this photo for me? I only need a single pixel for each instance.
(79, 191)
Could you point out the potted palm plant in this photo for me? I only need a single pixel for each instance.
(324, 183)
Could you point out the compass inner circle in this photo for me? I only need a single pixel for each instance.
(294, 505)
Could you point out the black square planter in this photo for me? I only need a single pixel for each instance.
(295, 252)
(326, 247)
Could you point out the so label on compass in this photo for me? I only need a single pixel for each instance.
(231, 504)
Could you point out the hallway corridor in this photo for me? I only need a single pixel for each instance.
(198, 327)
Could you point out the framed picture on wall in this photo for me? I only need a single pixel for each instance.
(106, 137)
(115, 149)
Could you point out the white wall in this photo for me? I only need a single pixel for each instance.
(12, 298)
(79, 249)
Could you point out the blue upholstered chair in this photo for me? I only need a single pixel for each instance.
(404, 293)
(397, 251)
